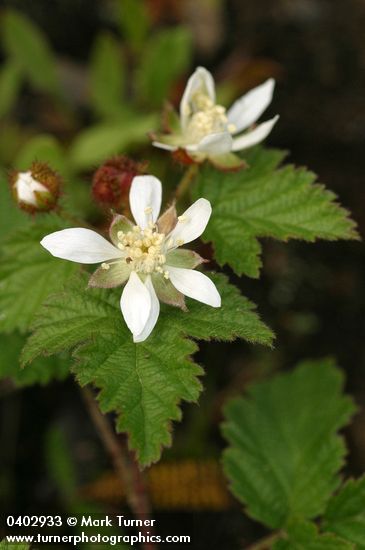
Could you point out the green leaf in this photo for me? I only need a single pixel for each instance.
(284, 453)
(4, 545)
(42, 148)
(167, 56)
(345, 514)
(267, 201)
(94, 145)
(144, 383)
(134, 21)
(10, 83)
(42, 371)
(11, 217)
(28, 274)
(27, 46)
(106, 76)
(303, 535)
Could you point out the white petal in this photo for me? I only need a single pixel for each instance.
(246, 110)
(135, 304)
(80, 245)
(195, 285)
(200, 80)
(153, 316)
(145, 199)
(254, 136)
(25, 187)
(165, 146)
(192, 223)
(213, 144)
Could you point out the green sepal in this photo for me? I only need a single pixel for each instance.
(168, 220)
(182, 257)
(228, 162)
(119, 223)
(167, 293)
(116, 275)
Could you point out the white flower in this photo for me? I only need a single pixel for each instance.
(145, 255)
(207, 130)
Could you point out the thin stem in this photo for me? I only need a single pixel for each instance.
(264, 543)
(124, 464)
(186, 181)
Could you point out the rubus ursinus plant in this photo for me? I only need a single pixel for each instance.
(131, 328)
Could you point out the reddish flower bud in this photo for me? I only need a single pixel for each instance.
(37, 189)
(112, 181)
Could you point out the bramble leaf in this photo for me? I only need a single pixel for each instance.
(267, 201)
(345, 514)
(302, 535)
(28, 274)
(144, 383)
(284, 455)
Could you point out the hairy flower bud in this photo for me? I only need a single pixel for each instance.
(112, 181)
(37, 189)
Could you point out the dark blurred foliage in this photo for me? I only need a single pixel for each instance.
(311, 295)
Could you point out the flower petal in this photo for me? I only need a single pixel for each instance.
(200, 80)
(153, 316)
(165, 146)
(195, 285)
(192, 223)
(135, 304)
(246, 110)
(254, 136)
(145, 194)
(213, 144)
(80, 245)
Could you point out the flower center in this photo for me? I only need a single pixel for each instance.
(206, 118)
(144, 249)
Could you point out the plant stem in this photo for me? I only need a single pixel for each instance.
(186, 181)
(124, 464)
(264, 543)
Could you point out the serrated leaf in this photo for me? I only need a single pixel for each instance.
(144, 383)
(303, 535)
(106, 76)
(267, 201)
(345, 514)
(10, 83)
(42, 371)
(28, 47)
(285, 453)
(167, 55)
(28, 274)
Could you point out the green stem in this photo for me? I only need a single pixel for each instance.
(186, 181)
(124, 464)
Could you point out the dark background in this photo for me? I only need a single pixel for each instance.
(312, 295)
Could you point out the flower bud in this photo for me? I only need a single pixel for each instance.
(112, 181)
(37, 189)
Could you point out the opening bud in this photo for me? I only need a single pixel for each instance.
(37, 189)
